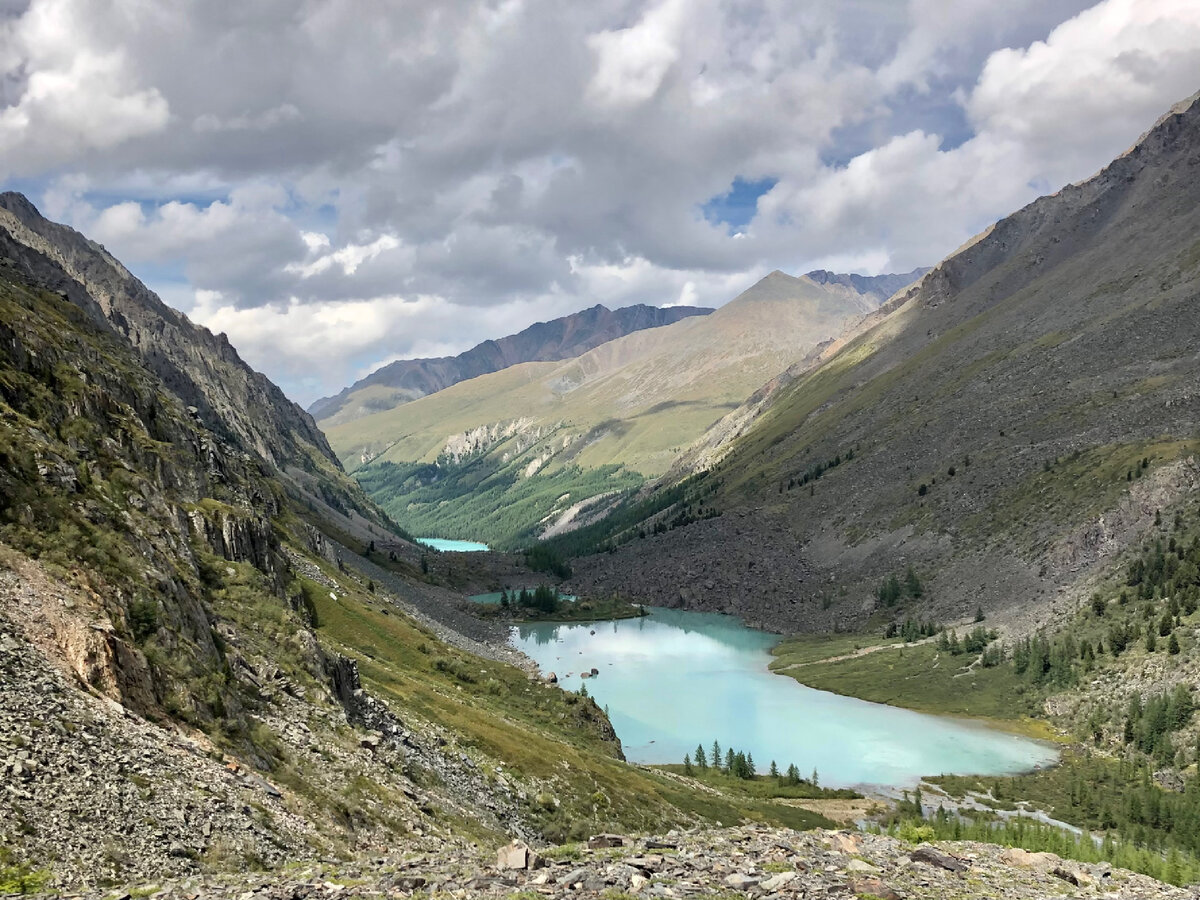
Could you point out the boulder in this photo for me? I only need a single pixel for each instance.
(513, 856)
(775, 882)
(740, 881)
(1072, 875)
(603, 841)
(861, 867)
(936, 858)
(873, 887)
(1015, 856)
(844, 842)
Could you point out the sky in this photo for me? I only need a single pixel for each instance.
(336, 184)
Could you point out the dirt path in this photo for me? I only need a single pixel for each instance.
(863, 651)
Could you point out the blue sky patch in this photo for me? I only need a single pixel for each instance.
(736, 207)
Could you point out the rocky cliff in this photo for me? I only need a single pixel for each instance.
(202, 369)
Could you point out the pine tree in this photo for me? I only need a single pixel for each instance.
(815, 783)
(774, 770)
(750, 772)
(1173, 645)
(730, 762)
(793, 774)
(687, 764)
(701, 759)
(912, 584)
(715, 757)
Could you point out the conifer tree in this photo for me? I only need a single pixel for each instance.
(701, 759)
(774, 770)
(715, 757)
(687, 764)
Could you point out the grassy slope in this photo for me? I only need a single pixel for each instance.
(915, 677)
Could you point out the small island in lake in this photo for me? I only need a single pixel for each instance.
(546, 603)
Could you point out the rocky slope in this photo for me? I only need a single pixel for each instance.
(746, 861)
(563, 338)
(511, 455)
(1006, 425)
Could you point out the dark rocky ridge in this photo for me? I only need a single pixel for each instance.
(1049, 352)
(562, 338)
(879, 286)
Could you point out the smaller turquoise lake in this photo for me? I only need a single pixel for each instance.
(674, 679)
(448, 546)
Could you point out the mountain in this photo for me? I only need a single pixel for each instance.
(409, 379)
(1009, 427)
(202, 369)
(521, 452)
(216, 654)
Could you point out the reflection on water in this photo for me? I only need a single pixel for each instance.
(675, 678)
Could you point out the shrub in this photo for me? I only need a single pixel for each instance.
(143, 619)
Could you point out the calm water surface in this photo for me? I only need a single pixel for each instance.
(675, 679)
(452, 546)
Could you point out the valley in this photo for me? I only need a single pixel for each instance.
(541, 447)
(713, 581)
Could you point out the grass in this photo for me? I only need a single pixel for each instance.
(803, 649)
(763, 787)
(922, 679)
(1085, 483)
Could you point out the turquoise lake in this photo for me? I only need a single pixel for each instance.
(674, 679)
(449, 546)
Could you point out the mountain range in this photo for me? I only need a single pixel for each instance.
(409, 379)
(523, 451)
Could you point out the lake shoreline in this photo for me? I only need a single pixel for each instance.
(706, 674)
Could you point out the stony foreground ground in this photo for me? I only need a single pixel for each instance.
(747, 861)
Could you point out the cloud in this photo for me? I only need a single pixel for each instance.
(75, 97)
(416, 177)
